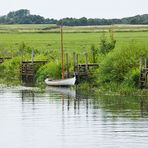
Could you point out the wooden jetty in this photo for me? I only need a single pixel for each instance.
(28, 70)
(143, 73)
(81, 70)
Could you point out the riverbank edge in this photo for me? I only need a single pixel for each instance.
(86, 87)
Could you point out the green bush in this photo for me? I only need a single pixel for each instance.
(132, 77)
(50, 70)
(10, 70)
(118, 63)
(107, 45)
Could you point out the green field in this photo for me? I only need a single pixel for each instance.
(72, 41)
(118, 68)
(44, 37)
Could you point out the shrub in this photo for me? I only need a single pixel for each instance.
(51, 70)
(132, 77)
(118, 63)
(10, 70)
(106, 45)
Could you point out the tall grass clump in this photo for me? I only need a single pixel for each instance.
(107, 44)
(51, 70)
(121, 66)
(10, 71)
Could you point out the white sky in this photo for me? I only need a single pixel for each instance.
(77, 8)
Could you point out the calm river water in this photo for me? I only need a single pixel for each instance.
(61, 118)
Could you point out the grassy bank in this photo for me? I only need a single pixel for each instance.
(118, 70)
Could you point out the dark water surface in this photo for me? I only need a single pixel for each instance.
(61, 118)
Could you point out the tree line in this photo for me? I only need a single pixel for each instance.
(23, 16)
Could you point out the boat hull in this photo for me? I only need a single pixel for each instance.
(65, 82)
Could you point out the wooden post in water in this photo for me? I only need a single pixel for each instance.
(74, 60)
(32, 62)
(145, 70)
(67, 65)
(141, 83)
(32, 56)
(21, 52)
(140, 64)
(3, 54)
(77, 63)
(145, 63)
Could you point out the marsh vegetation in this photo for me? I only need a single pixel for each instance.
(116, 49)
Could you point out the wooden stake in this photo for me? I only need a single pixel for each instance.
(77, 63)
(67, 65)
(86, 61)
(140, 64)
(62, 52)
(74, 60)
(145, 64)
(32, 55)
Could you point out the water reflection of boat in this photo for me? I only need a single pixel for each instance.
(63, 90)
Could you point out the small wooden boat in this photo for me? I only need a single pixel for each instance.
(64, 82)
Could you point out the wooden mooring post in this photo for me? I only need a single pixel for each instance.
(74, 61)
(86, 66)
(67, 66)
(143, 73)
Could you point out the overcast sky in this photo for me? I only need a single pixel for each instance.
(77, 8)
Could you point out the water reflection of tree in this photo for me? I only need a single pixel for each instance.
(144, 106)
(117, 106)
(27, 95)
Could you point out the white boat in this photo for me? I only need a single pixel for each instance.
(64, 82)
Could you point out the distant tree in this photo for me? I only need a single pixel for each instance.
(34, 19)
(20, 13)
(3, 20)
(83, 21)
(17, 16)
(50, 21)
